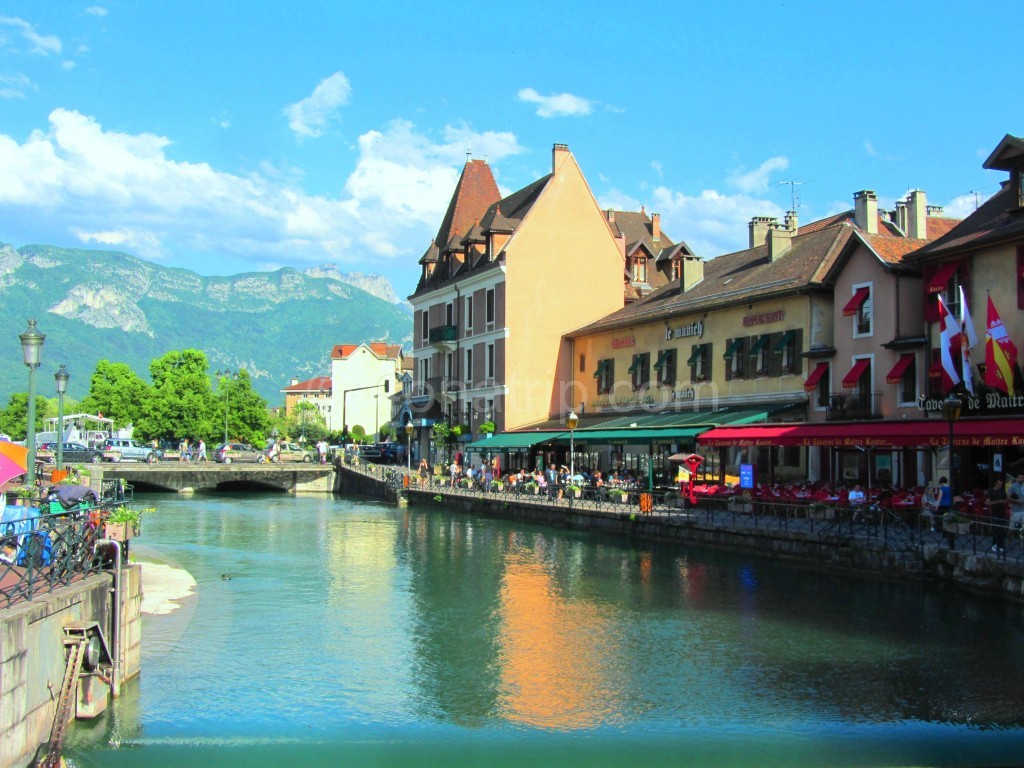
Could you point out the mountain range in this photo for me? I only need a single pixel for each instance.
(94, 304)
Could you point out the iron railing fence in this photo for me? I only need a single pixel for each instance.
(51, 547)
(897, 530)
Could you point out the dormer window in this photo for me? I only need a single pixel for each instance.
(640, 269)
(677, 268)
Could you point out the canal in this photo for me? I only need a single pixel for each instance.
(335, 631)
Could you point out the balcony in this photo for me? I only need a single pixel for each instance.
(443, 337)
(853, 406)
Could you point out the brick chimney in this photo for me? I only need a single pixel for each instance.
(656, 227)
(611, 216)
(295, 381)
(917, 215)
(758, 228)
(559, 153)
(865, 211)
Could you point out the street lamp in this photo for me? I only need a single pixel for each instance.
(61, 377)
(32, 348)
(951, 413)
(408, 445)
(571, 421)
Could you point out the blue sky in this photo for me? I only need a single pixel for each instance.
(227, 137)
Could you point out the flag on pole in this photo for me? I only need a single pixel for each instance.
(948, 338)
(968, 339)
(1000, 353)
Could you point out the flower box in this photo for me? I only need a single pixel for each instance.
(119, 531)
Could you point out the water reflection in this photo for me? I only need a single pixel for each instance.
(368, 628)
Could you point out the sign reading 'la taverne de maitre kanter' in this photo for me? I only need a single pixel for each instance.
(797, 354)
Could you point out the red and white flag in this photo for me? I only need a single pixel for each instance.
(949, 341)
(968, 339)
(1000, 353)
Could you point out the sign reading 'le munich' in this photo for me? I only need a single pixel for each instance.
(696, 328)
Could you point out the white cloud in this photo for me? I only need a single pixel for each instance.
(122, 190)
(757, 179)
(557, 104)
(308, 118)
(711, 223)
(656, 165)
(43, 45)
(96, 10)
(962, 206)
(14, 86)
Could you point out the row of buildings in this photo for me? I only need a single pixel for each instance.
(812, 353)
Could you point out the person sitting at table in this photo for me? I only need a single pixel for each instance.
(930, 505)
(856, 496)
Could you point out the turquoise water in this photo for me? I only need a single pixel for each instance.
(330, 631)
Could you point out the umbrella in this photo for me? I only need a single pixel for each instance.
(13, 461)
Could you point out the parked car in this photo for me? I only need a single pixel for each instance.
(295, 452)
(227, 453)
(379, 453)
(130, 450)
(72, 453)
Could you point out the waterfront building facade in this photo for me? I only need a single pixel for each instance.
(364, 376)
(501, 283)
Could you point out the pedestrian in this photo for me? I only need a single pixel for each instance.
(201, 452)
(551, 476)
(424, 473)
(1016, 496)
(183, 454)
(996, 504)
(321, 449)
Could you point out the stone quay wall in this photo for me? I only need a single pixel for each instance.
(862, 557)
(32, 654)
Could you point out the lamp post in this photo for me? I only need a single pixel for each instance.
(571, 421)
(32, 348)
(951, 413)
(408, 445)
(61, 377)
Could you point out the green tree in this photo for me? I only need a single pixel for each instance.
(307, 420)
(117, 392)
(14, 418)
(246, 413)
(182, 403)
(357, 433)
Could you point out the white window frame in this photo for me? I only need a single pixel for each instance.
(491, 308)
(469, 316)
(869, 304)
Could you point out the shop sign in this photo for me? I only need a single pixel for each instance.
(763, 318)
(684, 394)
(696, 328)
(623, 341)
(987, 403)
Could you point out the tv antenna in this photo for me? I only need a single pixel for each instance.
(794, 193)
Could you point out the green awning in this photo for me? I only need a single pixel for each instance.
(733, 348)
(629, 435)
(506, 440)
(698, 352)
(637, 359)
(784, 341)
(757, 345)
(601, 368)
(663, 358)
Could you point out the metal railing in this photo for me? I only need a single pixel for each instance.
(43, 550)
(844, 406)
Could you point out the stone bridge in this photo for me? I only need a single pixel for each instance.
(187, 478)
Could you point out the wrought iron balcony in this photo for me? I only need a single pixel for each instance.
(851, 406)
(443, 336)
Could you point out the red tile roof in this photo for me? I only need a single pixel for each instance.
(379, 348)
(474, 193)
(317, 384)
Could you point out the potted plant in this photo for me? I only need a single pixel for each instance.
(487, 428)
(617, 495)
(497, 485)
(741, 502)
(123, 523)
(23, 495)
(531, 486)
(574, 490)
(954, 522)
(818, 510)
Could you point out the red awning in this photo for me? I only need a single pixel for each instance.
(859, 297)
(980, 433)
(895, 376)
(938, 281)
(812, 381)
(851, 379)
(935, 371)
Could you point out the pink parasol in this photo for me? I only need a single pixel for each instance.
(13, 461)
